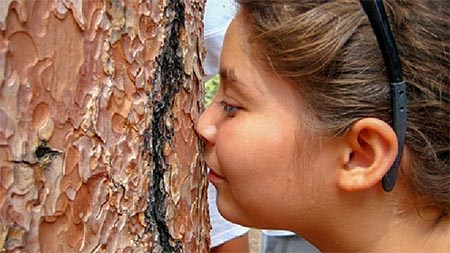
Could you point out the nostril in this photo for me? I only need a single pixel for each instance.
(200, 136)
(206, 133)
(206, 126)
(205, 129)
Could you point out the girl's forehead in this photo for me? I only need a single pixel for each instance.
(239, 27)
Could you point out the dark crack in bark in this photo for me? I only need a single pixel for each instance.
(167, 81)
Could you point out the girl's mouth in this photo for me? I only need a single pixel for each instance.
(214, 177)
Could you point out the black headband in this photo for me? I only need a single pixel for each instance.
(378, 19)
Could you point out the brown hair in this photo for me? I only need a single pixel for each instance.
(328, 49)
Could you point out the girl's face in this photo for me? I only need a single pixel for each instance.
(265, 168)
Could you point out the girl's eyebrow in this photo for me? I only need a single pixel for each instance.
(229, 75)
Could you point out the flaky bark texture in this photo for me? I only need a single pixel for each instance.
(97, 147)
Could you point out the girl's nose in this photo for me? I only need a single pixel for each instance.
(206, 126)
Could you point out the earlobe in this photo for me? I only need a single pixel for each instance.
(370, 150)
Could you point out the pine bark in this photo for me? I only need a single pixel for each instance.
(98, 100)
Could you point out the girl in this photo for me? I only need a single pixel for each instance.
(309, 123)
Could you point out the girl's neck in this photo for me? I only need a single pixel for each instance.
(414, 234)
(380, 232)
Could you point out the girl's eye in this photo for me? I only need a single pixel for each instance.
(227, 108)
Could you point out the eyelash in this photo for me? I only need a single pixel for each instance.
(227, 108)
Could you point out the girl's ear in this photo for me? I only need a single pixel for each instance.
(370, 150)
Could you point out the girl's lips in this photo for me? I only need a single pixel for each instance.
(213, 177)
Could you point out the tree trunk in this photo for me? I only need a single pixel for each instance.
(97, 147)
